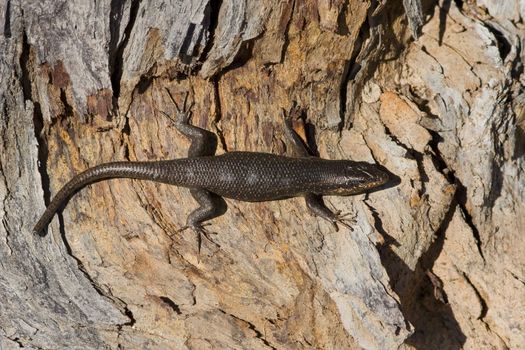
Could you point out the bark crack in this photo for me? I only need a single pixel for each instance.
(461, 196)
(483, 303)
(25, 81)
(213, 17)
(286, 34)
(218, 113)
(252, 327)
(437, 158)
(38, 119)
(21, 344)
(364, 61)
(124, 308)
(414, 13)
(7, 23)
(121, 326)
(116, 58)
(129, 314)
(7, 233)
(516, 277)
(504, 47)
(126, 129)
(350, 70)
(461, 192)
(24, 342)
(378, 225)
(412, 154)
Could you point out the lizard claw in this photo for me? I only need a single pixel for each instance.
(184, 113)
(201, 232)
(343, 219)
(292, 115)
(185, 107)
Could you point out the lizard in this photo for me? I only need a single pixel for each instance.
(238, 175)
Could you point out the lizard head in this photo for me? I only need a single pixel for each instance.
(358, 177)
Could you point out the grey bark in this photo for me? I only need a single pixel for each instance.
(434, 93)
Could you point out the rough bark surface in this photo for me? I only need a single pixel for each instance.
(431, 90)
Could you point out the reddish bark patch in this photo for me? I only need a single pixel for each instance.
(100, 103)
(59, 76)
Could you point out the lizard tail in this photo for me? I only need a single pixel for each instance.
(135, 170)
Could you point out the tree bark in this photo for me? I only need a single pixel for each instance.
(433, 91)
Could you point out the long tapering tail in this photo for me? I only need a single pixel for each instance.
(132, 170)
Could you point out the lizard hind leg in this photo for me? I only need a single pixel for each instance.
(210, 206)
(203, 143)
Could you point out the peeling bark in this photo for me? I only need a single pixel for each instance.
(431, 90)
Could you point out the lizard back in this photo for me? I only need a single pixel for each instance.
(253, 176)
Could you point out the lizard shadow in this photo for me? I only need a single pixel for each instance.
(435, 325)
(422, 310)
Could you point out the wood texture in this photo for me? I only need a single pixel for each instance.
(430, 90)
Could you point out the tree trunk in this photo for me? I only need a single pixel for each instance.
(434, 93)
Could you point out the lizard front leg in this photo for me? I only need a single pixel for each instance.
(316, 205)
(203, 142)
(314, 202)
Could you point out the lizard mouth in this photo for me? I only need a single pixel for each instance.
(357, 189)
(373, 184)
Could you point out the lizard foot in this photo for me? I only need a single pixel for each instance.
(343, 219)
(200, 232)
(183, 113)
